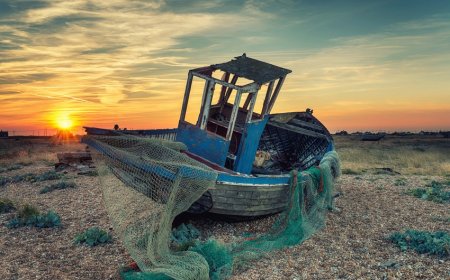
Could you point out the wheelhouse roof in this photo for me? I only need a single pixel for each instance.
(252, 69)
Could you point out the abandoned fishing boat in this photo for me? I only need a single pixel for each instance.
(234, 133)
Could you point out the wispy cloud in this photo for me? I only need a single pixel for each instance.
(104, 52)
(384, 70)
(105, 61)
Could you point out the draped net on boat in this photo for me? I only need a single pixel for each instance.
(147, 182)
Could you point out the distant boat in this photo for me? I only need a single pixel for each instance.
(372, 136)
(253, 152)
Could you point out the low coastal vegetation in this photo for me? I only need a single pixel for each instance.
(58, 186)
(92, 237)
(423, 242)
(29, 215)
(6, 205)
(435, 191)
(31, 177)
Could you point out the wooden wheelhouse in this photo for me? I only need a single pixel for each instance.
(227, 131)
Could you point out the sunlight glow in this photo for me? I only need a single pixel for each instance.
(63, 121)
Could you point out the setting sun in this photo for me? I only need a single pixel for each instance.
(63, 121)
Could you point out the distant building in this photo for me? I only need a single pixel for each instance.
(343, 132)
(3, 134)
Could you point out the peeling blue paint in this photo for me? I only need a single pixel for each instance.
(249, 144)
(202, 143)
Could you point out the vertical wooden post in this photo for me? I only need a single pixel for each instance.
(275, 94)
(233, 117)
(247, 100)
(228, 92)
(187, 92)
(225, 78)
(202, 104)
(267, 98)
(207, 104)
(252, 106)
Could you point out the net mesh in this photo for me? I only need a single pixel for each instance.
(148, 182)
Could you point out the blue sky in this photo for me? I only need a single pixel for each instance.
(362, 65)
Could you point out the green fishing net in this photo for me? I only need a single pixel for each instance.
(148, 182)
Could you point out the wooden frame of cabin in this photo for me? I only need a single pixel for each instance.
(226, 91)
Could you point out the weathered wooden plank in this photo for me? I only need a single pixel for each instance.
(267, 98)
(275, 94)
(186, 96)
(249, 188)
(223, 89)
(306, 124)
(229, 90)
(241, 213)
(234, 115)
(252, 107)
(298, 129)
(254, 208)
(223, 83)
(209, 88)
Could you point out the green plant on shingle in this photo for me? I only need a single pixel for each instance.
(30, 216)
(92, 237)
(10, 168)
(46, 176)
(423, 242)
(6, 205)
(435, 191)
(22, 177)
(58, 186)
(400, 182)
(31, 177)
(27, 211)
(3, 181)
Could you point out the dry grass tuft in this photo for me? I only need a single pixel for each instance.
(413, 155)
(23, 151)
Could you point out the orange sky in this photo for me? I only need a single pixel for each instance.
(101, 63)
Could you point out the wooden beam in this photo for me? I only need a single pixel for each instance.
(187, 92)
(228, 93)
(217, 81)
(202, 104)
(275, 94)
(307, 124)
(298, 129)
(207, 104)
(229, 90)
(225, 78)
(233, 117)
(250, 87)
(252, 107)
(267, 98)
(247, 100)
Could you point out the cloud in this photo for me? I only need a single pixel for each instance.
(105, 53)
(26, 78)
(104, 59)
(382, 64)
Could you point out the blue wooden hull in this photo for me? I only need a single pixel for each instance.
(237, 194)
